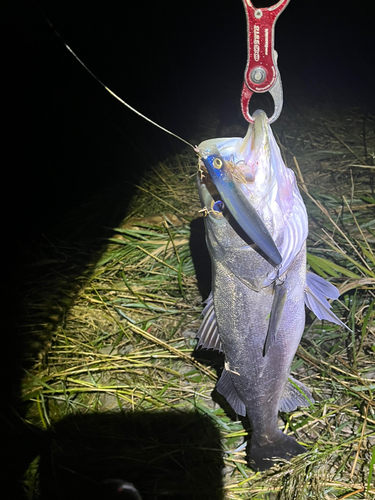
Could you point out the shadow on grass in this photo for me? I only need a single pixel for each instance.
(56, 269)
(165, 455)
(200, 257)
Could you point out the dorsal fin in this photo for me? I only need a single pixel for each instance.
(226, 388)
(208, 333)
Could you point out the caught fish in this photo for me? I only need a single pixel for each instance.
(256, 229)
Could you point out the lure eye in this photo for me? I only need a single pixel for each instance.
(218, 206)
(217, 163)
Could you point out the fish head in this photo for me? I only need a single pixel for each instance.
(229, 245)
(257, 189)
(228, 179)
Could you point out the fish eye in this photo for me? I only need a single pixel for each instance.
(217, 163)
(218, 206)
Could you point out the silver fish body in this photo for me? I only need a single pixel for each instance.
(259, 380)
(256, 312)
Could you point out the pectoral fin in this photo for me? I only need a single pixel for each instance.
(316, 294)
(208, 333)
(275, 317)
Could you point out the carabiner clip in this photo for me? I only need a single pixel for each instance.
(261, 73)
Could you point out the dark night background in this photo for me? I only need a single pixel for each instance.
(67, 141)
(66, 138)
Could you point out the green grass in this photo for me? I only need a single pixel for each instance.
(121, 340)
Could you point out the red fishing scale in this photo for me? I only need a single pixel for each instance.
(261, 73)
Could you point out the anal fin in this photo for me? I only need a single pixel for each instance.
(295, 394)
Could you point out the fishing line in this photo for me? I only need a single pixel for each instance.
(111, 91)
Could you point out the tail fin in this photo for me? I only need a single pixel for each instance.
(263, 457)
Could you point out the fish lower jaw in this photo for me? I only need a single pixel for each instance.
(264, 456)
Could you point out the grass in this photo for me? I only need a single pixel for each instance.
(120, 342)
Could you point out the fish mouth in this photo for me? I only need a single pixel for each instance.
(223, 176)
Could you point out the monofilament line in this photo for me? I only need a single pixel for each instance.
(112, 93)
